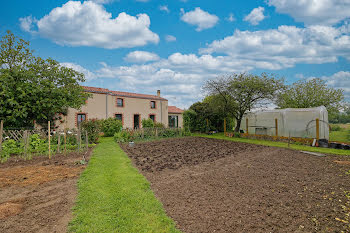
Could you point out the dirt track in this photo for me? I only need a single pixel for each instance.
(37, 195)
(209, 185)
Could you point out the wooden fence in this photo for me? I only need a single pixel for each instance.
(56, 139)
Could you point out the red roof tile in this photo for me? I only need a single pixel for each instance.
(123, 94)
(174, 109)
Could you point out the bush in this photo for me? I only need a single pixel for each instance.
(159, 125)
(123, 136)
(10, 147)
(93, 128)
(147, 123)
(111, 126)
(335, 128)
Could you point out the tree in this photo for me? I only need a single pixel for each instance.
(311, 93)
(32, 88)
(242, 92)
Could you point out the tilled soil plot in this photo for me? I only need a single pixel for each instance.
(209, 185)
(37, 195)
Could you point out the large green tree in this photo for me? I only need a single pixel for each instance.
(32, 88)
(311, 93)
(240, 93)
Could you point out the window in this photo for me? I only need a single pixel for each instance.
(173, 121)
(81, 117)
(119, 117)
(120, 102)
(152, 117)
(153, 104)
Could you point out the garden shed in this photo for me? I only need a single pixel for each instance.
(293, 122)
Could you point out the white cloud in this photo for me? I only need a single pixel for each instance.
(255, 16)
(325, 12)
(164, 8)
(26, 23)
(102, 1)
(141, 57)
(201, 19)
(170, 38)
(231, 18)
(88, 74)
(340, 80)
(89, 24)
(286, 46)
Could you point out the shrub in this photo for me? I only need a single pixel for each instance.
(335, 128)
(123, 136)
(111, 126)
(159, 125)
(93, 128)
(10, 147)
(147, 123)
(237, 134)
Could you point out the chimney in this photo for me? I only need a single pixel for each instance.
(158, 93)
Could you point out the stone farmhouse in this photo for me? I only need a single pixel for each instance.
(130, 108)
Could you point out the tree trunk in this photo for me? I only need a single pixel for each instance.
(238, 125)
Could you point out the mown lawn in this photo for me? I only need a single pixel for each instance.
(114, 197)
(278, 144)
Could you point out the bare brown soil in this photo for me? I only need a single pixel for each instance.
(209, 185)
(37, 195)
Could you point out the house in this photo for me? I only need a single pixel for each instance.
(128, 107)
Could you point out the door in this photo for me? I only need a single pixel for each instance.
(136, 121)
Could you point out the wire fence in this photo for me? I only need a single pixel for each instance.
(144, 134)
(28, 142)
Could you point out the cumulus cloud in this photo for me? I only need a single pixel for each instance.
(164, 8)
(89, 24)
(141, 57)
(202, 19)
(88, 74)
(255, 16)
(170, 38)
(340, 80)
(325, 12)
(26, 23)
(286, 46)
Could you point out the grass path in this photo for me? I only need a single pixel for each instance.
(114, 197)
(278, 144)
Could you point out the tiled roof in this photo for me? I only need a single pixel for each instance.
(122, 94)
(174, 109)
(96, 89)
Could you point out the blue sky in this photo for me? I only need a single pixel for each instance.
(176, 45)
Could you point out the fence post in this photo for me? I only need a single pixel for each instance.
(225, 126)
(65, 137)
(25, 140)
(86, 140)
(59, 142)
(317, 129)
(289, 139)
(49, 137)
(1, 132)
(247, 125)
(276, 125)
(79, 138)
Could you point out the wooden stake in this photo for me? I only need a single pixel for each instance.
(317, 129)
(86, 140)
(276, 125)
(59, 142)
(25, 139)
(79, 138)
(1, 132)
(225, 126)
(289, 140)
(65, 137)
(49, 136)
(247, 126)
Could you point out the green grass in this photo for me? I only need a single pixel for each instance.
(278, 144)
(342, 135)
(114, 197)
